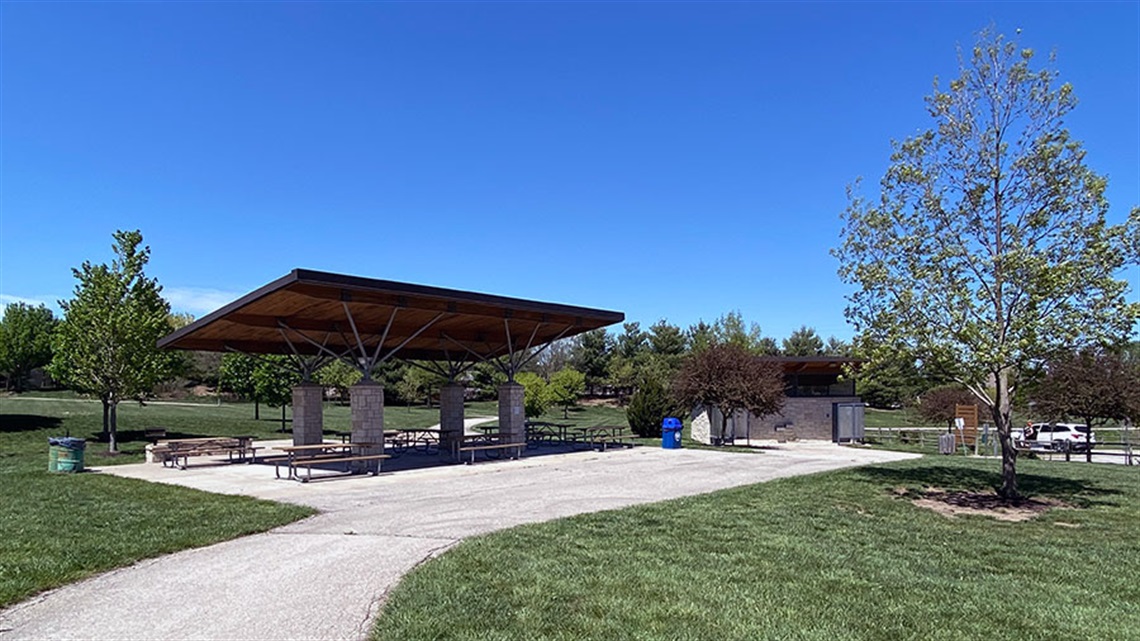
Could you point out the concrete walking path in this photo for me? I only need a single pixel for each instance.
(326, 576)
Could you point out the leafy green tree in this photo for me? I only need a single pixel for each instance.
(729, 378)
(536, 397)
(988, 247)
(418, 383)
(487, 378)
(273, 379)
(235, 374)
(565, 387)
(731, 330)
(106, 342)
(889, 376)
(339, 376)
(803, 342)
(25, 341)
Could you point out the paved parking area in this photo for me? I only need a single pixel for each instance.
(325, 577)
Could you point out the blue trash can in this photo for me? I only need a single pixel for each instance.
(671, 434)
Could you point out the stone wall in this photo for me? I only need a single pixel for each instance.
(308, 410)
(810, 419)
(367, 401)
(512, 416)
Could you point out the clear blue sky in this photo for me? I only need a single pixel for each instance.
(669, 160)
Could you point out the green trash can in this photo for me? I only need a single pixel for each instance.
(66, 454)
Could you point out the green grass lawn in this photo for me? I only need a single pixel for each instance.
(59, 528)
(832, 556)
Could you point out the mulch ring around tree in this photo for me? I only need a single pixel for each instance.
(952, 504)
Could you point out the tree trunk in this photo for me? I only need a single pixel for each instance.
(106, 435)
(256, 410)
(113, 435)
(1001, 410)
(1088, 440)
(283, 418)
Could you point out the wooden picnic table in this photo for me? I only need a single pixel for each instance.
(173, 450)
(355, 457)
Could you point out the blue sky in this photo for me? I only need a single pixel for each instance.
(669, 160)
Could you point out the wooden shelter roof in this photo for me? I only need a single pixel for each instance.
(814, 364)
(311, 312)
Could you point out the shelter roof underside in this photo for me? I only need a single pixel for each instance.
(316, 313)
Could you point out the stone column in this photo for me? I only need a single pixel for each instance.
(308, 414)
(512, 417)
(367, 401)
(450, 417)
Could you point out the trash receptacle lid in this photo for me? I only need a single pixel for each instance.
(674, 423)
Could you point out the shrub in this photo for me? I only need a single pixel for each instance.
(648, 407)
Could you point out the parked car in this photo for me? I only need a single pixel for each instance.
(1056, 436)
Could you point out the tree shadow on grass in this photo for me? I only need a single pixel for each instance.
(128, 436)
(27, 422)
(1074, 491)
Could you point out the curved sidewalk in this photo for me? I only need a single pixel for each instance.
(324, 577)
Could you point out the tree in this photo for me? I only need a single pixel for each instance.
(1094, 385)
(631, 358)
(700, 336)
(591, 355)
(340, 376)
(988, 247)
(566, 385)
(273, 379)
(648, 407)
(730, 329)
(729, 378)
(837, 347)
(889, 377)
(25, 341)
(106, 344)
(667, 348)
(554, 358)
(536, 397)
(235, 374)
(416, 383)
(940, 404)
(803, 342)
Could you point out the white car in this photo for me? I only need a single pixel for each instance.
(1056, 436)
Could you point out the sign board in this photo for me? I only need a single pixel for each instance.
(966, 420)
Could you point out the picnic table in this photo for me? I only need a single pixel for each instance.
(421, 439)
(356, 458)
(489, 443)
(599, 436)
(173, 450)
(542, 432)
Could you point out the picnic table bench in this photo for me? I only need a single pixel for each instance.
(354, 458)
(171, 451)
(485, 443)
